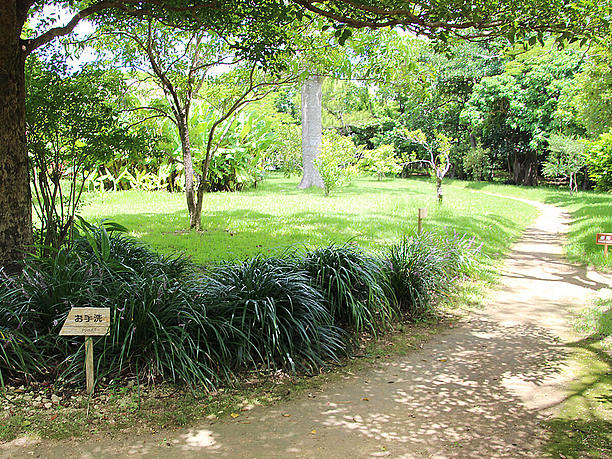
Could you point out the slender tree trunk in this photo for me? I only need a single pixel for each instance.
(473, 141)
(439, 189)
(15, 194)
(311, 131)
(189, 175)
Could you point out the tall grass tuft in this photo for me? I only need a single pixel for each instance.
(352, 283)
(421, 267)
(282, 319)
(152, 310)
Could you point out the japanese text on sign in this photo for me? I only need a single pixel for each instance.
(87, 322)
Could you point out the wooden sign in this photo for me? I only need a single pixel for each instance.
(422, 215)
(86, 322)
(604, 239)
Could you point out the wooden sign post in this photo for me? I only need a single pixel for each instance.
(87, 322)
(604, 239)
(422, 215)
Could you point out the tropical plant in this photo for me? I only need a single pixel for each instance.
(239, 157)
(73, 126)
(159, 329)
(281, 318)
(380, 161)
(352, 284)
(335, 162)
(415, 269)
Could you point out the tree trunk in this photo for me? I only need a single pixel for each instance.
(311, 131)
(15, 195)
(439, 189)
(473, 141)
(194, 217)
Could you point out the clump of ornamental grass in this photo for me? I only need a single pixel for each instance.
(282, 319)
(421, 267)
(415, 271)
(353, 285)
(152, 315)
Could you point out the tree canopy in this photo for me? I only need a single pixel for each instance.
(256, 31)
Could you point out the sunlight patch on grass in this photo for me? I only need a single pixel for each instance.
(277, 215)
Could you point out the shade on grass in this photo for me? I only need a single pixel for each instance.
(277, 215)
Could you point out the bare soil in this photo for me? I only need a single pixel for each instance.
(480, 389)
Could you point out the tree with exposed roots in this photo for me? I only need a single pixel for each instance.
(260, 28)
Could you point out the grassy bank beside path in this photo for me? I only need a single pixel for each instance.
(590, 212)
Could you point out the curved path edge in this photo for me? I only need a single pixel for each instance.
(481, 389)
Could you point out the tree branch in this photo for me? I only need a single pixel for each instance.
(31, 44)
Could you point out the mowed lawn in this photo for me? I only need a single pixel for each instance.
(277, 216)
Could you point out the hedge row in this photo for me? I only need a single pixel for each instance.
(297, 312)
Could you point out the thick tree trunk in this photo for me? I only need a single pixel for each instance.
(190, 195)
(15, 195)
(311, 130)
(524, 172)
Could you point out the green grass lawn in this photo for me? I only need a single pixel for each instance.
(277, 215)
(583, 427)
(590, 212)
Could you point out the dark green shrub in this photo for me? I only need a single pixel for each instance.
(352, 284)
(283, 318)
(423, 266)
(154, 311)
(415, 269)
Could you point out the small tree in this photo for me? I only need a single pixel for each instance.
(438, 150)
(599, 159)
(380, 161)
(73, 126)
(335, 162)
(477, 162)
(566, 158)
(288, 154)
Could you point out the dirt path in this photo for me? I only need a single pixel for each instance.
(478, 390)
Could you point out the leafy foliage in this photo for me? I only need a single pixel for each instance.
(599, 160)
(515, 112)
(566, 159)
(477, 163)
(335, 161)
(153, 312)
(380, 161)
(296, 313)
(74, 125)
(281, 319)
(438, 155)
(241, 153)
(352, 284)
(287, 156)
(423, 266)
